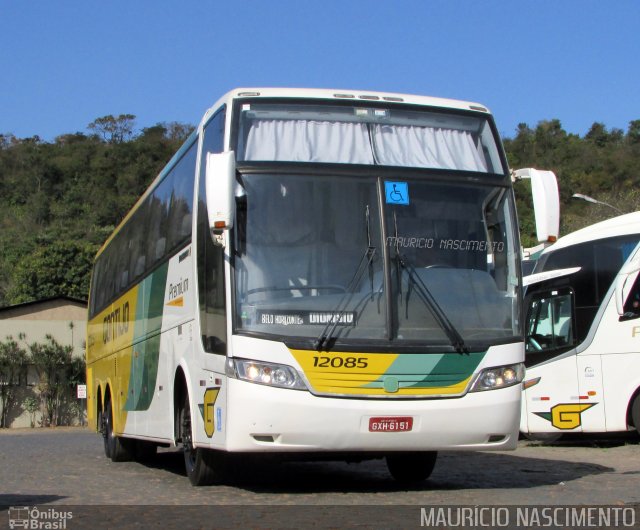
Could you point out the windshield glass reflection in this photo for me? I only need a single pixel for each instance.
(310, 260)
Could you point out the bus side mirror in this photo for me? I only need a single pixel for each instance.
(220, 185)
(626, 291)
(546, 202)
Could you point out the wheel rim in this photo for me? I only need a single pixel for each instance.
(187, 445)
(106, 428)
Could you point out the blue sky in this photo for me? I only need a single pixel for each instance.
(64, 63)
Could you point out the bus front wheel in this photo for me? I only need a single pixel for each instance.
(202, 465)
(635, 413)
(411, 468)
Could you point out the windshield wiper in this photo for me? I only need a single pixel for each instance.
(322, 342)
(426, 297)
(430, 302)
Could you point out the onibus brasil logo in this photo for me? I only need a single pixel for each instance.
(36, 518)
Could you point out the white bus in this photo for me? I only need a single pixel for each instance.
(318, 273)
(583, 332)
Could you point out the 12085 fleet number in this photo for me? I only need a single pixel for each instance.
(340, 362)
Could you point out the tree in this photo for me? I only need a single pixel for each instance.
(633, 133)
(52, 362)
(76, 374)
(599, 135)
(61, 268)
(32, 405)
(114, 129)
(13, 366)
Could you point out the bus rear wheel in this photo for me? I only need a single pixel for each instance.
(202, 465)
(411, 468)
(102, 425)
(116, 448)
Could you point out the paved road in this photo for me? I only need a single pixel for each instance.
(67, 467)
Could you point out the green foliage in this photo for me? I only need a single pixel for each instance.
(13, 366)
(61, 268)
(58, 376)
(32, 405)
(60, 200)
(57, 373)
(114, 129)
(604, 164)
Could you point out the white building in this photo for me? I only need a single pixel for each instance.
(64, 318)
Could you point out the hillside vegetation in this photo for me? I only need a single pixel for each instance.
(60, 200)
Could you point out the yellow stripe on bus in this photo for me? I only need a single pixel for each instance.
(110, 334)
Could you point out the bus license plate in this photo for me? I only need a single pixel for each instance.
(391, 424)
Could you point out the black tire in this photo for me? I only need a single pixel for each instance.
(203, 466)
(635, 413)
(115, 447)
(411, 468)
(102, 425)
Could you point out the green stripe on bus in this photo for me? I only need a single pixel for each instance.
(431, 370)
(146, 339)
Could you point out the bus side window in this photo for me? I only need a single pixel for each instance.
(550, 325)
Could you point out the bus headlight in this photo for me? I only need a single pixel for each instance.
(498, 377)
(264, 373)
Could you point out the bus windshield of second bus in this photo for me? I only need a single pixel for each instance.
(347, 253)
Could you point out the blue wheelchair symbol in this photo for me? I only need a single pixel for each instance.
(396, 192)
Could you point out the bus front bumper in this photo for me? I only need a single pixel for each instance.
(262, 418)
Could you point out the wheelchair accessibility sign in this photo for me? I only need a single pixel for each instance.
(396, 193)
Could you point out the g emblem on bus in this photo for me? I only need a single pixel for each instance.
(566, 416)
(207, 410)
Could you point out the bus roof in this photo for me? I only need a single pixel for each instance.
(297, 93)
(344, 95)
(616, 226)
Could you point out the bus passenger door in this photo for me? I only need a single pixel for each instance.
(591, 392)
(551, 398)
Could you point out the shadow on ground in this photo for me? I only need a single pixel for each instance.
(25, 499)
(585, 440)
(454, 471)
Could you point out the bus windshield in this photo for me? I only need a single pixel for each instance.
(286, 132)
(351, 258)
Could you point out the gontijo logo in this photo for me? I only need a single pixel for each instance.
(115, 323)
(566, 415)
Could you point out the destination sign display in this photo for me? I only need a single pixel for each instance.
(305, 318)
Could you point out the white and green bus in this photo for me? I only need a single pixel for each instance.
(583, 333)
(317, 274)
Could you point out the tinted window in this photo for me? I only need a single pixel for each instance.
(550, 325)
(158, 227)
(599, 263)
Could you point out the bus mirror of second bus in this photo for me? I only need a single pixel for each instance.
(220, 188)
(627, 297)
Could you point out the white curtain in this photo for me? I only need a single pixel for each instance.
(349, 143)
(308, 141)
(399, 145)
